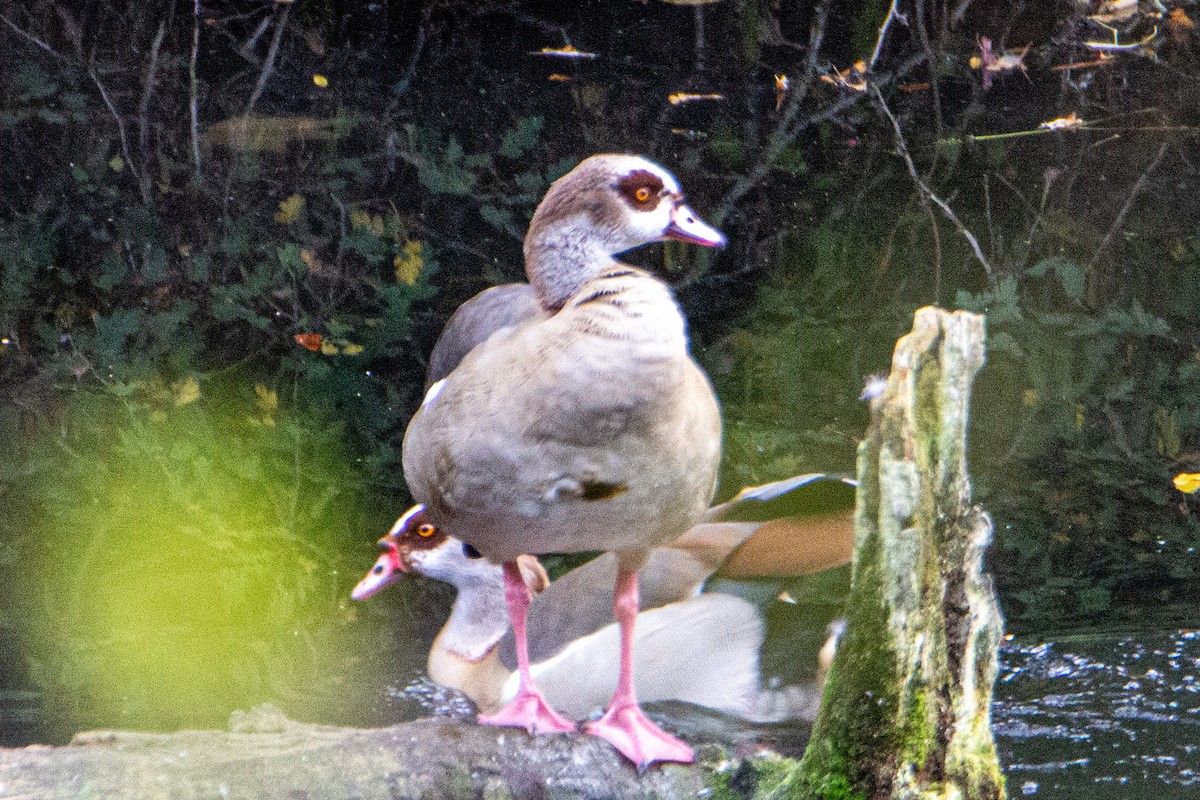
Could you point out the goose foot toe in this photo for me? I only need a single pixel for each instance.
(529, 710)
(630, 731)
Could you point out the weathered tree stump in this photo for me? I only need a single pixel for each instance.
(906, 712)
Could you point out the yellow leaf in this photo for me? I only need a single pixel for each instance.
(268, 404)
(351, 349)
(289, 210)
(1029, 398)
(1187, 482)
(360, 219)
(186, 391)
(310, 260)
(329, 348)
(320, 80)
(409, 263)
(116, 163)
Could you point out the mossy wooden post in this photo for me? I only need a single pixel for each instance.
(906, 712)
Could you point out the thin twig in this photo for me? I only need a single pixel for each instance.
(883, 29)
(902, 149)
(112, 109)
(932, 56)
(783, 135)
(144, 107)
(272, 54)
(1119, 222)
(193, 105)
(30, 37)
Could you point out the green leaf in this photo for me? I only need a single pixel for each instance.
(1070, 275)
(521, 139)
(112, 271)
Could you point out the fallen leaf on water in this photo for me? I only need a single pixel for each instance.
(679, 98)
(1187, 482)
(566, 51)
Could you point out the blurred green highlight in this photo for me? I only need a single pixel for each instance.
(187, 550)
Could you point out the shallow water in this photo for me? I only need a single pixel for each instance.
(1091, 716)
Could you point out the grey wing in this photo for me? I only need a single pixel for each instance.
(499, 307)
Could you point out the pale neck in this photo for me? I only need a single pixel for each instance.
(478, 620)
(561, 257)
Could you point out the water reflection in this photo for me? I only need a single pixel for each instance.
(1101, 716)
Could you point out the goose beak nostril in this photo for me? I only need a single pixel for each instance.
(685, 226)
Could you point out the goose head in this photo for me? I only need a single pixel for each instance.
(415, 545)
(606, 205)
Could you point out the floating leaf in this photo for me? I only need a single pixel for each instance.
(289, 209)
(408, 264)
(320, 80)
(1187, 482)
(116, 163)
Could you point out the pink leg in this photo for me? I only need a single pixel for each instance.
(624, 725)
(528, 710)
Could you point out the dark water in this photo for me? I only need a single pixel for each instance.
(1101, 716)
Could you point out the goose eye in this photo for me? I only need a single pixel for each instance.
(642, 194)
(426, 530)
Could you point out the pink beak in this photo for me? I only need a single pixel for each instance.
(387, 569)
(685, 226)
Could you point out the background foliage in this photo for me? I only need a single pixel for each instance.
(230, 232)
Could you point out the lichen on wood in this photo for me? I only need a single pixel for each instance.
(906, 711)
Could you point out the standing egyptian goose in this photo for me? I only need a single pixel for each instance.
(588, 428)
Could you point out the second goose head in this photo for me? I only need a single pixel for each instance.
(606, 205)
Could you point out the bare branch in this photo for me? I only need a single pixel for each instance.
(272, 54)
(112, 109)
(193, 105)
(144, 107)
(1119, 222)
(892, 14)
(926, 192)
(31, 38)
(783, 135)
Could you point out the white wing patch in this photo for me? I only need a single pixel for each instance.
(433, 392)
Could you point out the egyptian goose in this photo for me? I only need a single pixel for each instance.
(586, 427)
(702, 650)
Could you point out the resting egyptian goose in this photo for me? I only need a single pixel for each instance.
(586, 427)
(702, 650)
